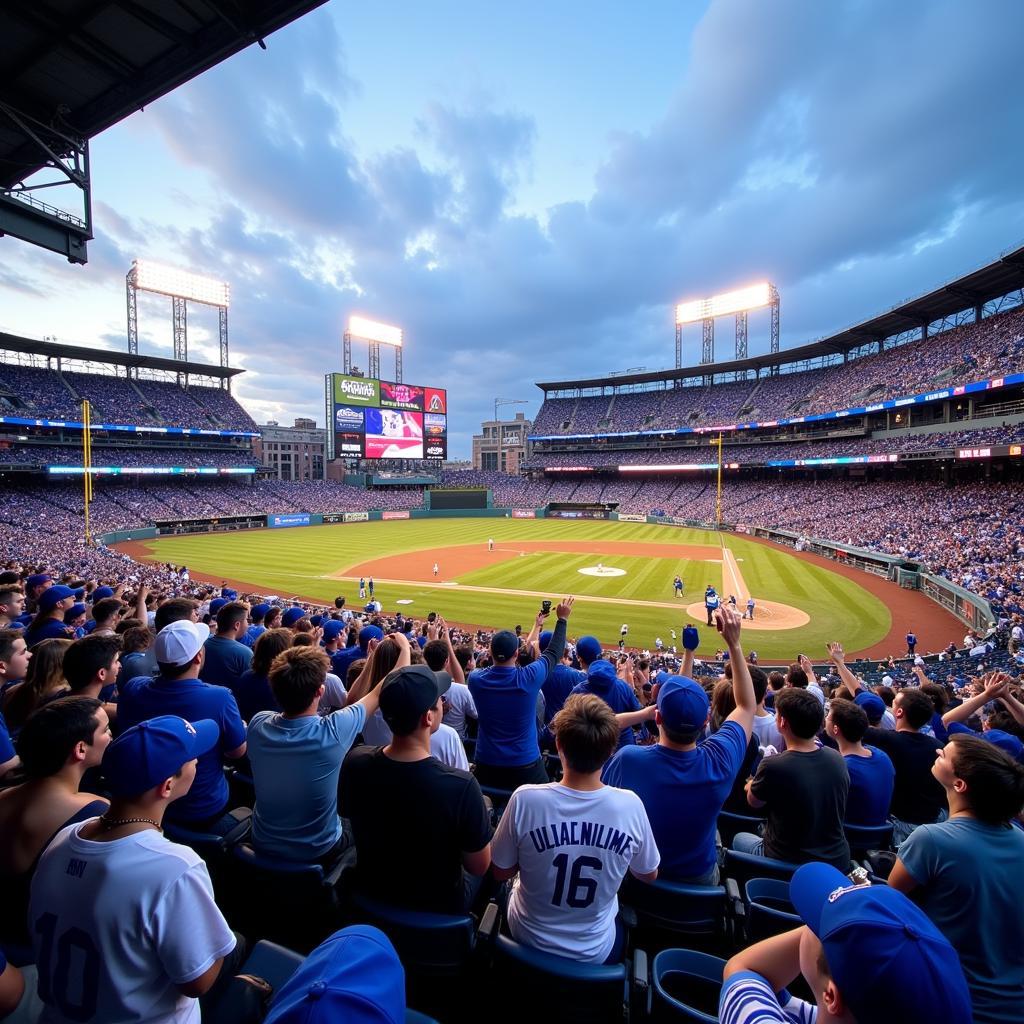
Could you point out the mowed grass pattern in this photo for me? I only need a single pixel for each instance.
(302, 561)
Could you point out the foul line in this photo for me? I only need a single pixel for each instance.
(729, 566)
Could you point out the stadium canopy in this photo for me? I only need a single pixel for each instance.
(69, 69)
(55, 350)
(973, 290)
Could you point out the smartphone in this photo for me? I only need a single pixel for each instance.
(432, 617)
(519, 630)
(545, 607)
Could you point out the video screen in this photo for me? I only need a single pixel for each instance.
(380, 419)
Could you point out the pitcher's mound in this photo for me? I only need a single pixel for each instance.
(601, 570)
(768, 615)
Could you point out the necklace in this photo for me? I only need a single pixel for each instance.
(112, 823)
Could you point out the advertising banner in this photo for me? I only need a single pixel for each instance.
(632, 519)
(391, 434)
(334, 517)
(348, 420)
(357, 517)
(401, 396)
(435, 400)
(435, 425)
(356, 390)
(436, 448)
(524, 513)
(348, 444)
(288, 519)
(395, 515)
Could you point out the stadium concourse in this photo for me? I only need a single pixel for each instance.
(532, 820)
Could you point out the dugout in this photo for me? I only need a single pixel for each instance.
(580, 510)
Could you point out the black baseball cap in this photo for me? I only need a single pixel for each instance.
(504, 644)
(407, 693)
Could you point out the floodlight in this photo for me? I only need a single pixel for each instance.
(182, 284)
(371, 330)
(751, 297)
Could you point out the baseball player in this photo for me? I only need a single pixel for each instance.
(677, 586)
(711, 602)
(436, 569)
(750, 608)
(490, 543)
(362, 588)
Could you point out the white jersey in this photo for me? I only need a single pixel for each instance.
(573, 849)
(116, 926)
(767, 731)
(334, 696)
(447, 747)
(460, 706)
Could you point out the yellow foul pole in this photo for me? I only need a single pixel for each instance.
(87, 464)
(718, 499)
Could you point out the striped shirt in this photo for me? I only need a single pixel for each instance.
(748, 999)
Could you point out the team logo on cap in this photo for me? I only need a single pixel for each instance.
(189, 727)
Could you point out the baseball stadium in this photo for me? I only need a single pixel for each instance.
(314, 736)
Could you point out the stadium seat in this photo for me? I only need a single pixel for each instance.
(729, 824)
(294, 904)
(863, 839)
(209, 845)
(685, 985)
(768, 908)
(533, 982)
(670, 907)
(499, 800)
(744, 866)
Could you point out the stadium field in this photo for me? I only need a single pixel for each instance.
(619, 572)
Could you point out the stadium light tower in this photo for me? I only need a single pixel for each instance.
(739, 302)
(182, 287)
(497, 425)
(376, 334)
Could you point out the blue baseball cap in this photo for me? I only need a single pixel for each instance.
(354, 976)
(891, 964)
(231, 595)
(545, 639)
(368, 633)
(333, 628)
(216, 604)
(873, 705)
(315, 620)
(291, 615)
(154, 750)
(37, 580)
(1006, 742)
(588, 649)
(504, 645)
(682, 702)
(259, 611)
(73, 612)
(101, 592)
(52, 596)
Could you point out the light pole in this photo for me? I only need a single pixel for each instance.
(497, 425)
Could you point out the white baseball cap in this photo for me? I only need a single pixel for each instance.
(179, 642)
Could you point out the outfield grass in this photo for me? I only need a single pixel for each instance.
(303, 561)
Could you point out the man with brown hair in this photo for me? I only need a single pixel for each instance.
(571, 843)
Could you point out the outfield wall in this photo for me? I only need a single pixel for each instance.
(971, 609)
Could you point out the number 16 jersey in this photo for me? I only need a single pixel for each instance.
(573, 849)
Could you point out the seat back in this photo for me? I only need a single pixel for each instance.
(744, 866)
(730, 824)
(674, 907)
(769, 909)
(685, 985)
(272, 962)
(863, 838)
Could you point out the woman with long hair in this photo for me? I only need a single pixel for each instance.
(43, 682)
(382, 658)
(252, 692)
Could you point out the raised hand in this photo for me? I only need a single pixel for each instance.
(835, 653)
(564, 609)
(728, 623)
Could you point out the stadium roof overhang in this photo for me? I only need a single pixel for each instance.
(69, 69)
(1002, 276)
(54, 350)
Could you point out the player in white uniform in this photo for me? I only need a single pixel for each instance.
(124, 923)
(490, 543)
(436, 569)
(569, 844)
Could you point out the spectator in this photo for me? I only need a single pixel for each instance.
(439, 655)
(106, 613)
(30, 678)
(384, 656)
(602, 681)
(97, 875)
(871, 771)
(253, 692)
(137, 657)
(399, 791)
(563, 902)
(12, 605)
(559, 684)
(964, 873)
(256, 628)
(58, 744)
(178, 690)
(867, 953)
(296, 758)
(683, 783)
(226, 657)
(507, 751)
(917, 798)
(341, 660)
(804, 791)
(764, 727)
(49, 621)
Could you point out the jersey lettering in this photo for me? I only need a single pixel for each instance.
(74, 949)
(581, 890)
(582, 833)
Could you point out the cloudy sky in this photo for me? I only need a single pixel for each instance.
(527, 189)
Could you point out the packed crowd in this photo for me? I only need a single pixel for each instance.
(537, 774)
(125, 456)
(52, 394)
(957, 356)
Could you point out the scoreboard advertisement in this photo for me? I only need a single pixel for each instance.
(382, 419)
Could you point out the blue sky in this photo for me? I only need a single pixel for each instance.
(528, 189)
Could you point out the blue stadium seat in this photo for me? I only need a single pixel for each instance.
(768, 908)
(210, 845)
(744, 866)
(863, 839)
(685, 985)
(729, 824)
(671, 907)
(533, 982)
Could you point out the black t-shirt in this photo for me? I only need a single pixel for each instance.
(917, 796)
(412, 822)
(736, 802)
(806, 797)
